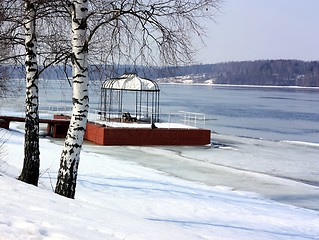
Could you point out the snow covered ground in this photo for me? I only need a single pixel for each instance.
(119, 197)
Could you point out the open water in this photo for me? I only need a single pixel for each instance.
(258, 112)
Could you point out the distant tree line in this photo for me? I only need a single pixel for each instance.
(261, 72)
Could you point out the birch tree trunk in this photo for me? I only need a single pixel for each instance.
(31, 164)
(70, 157)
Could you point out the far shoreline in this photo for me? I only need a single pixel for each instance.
(236, 85)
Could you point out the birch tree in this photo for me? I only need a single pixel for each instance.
(70, 156)
(30, 171)
(19, 34)
(138, 32)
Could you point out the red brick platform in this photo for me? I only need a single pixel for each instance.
(108, 136)
(146, 136)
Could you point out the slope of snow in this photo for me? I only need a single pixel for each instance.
(119, 199)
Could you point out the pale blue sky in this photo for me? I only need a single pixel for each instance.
(263, 29)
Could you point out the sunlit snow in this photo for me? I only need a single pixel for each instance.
(127, 193)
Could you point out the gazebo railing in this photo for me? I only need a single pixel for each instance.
(189, 119)
(192, 119)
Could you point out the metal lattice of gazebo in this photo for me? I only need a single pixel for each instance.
(130, 98)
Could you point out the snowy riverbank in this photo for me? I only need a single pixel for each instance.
(121, 199)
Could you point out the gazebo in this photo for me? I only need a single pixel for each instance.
(130, 98)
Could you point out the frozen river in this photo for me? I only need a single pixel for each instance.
(283, 171)
(267, 139)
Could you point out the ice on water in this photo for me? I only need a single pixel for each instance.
(282, 171)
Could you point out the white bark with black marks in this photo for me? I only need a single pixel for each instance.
(30, 171)
(70, 156)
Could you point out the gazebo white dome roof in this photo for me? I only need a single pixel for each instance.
(131, 82)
